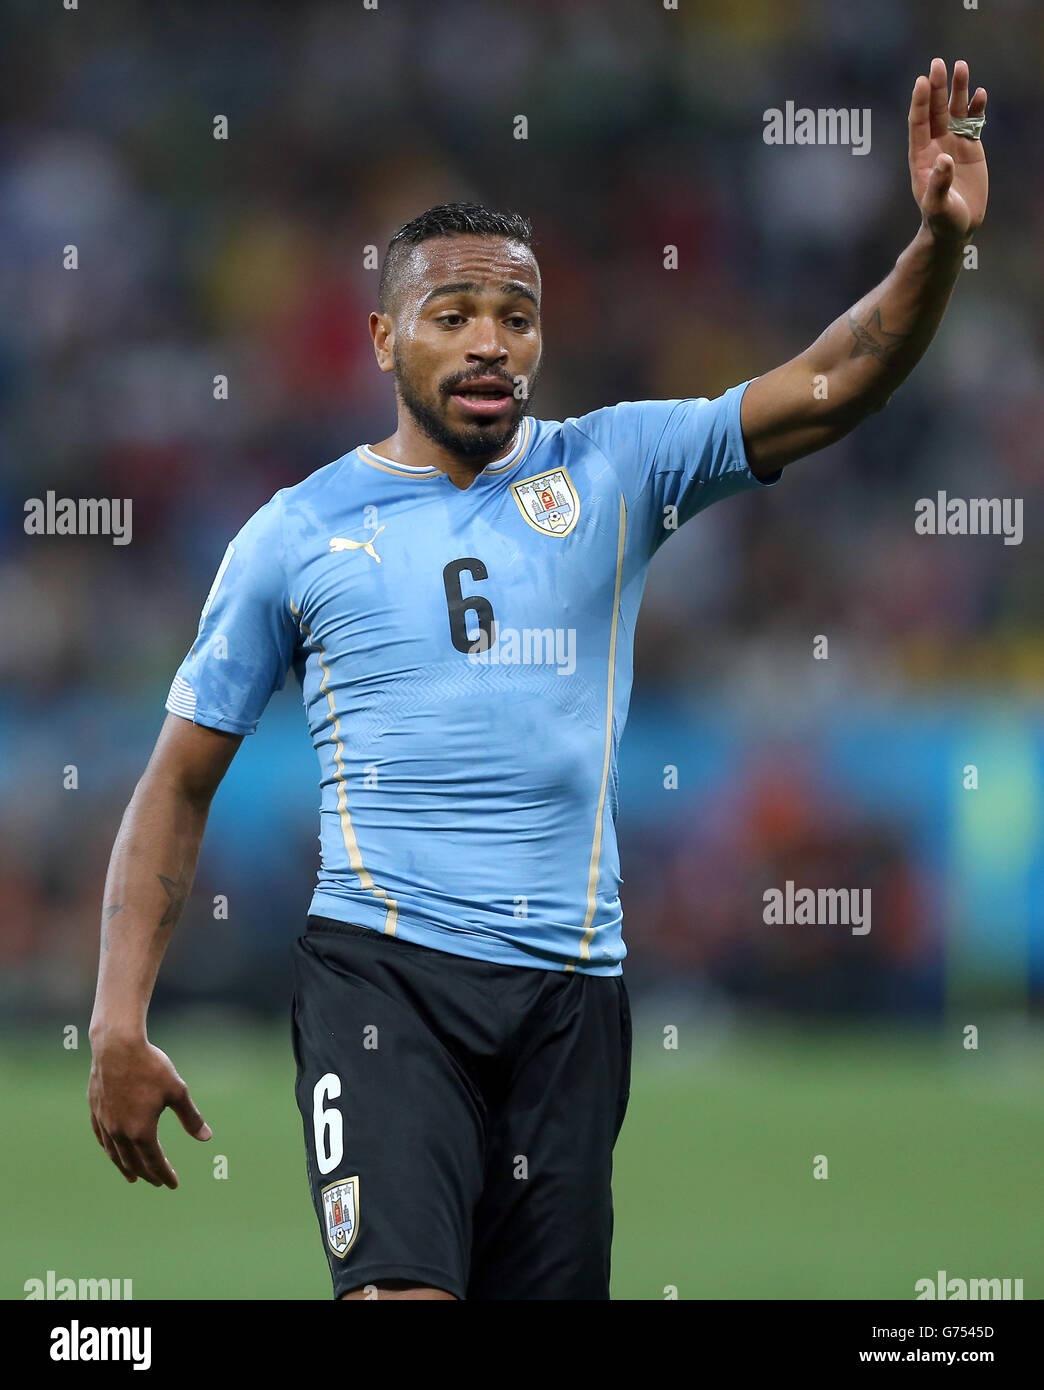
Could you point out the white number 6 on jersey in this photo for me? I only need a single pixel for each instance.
(329, 1131)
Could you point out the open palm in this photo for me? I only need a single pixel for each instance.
(947, 171)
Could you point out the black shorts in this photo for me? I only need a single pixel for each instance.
(459, 1116)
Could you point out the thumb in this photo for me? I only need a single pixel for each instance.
(940, 180)
(192, 1121)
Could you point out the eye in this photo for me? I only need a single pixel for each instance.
(519, 321)
(443, 318)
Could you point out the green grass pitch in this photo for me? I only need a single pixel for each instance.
(933, 1157)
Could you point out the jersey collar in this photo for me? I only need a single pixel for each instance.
(409, 470)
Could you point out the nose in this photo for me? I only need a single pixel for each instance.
(486, 345)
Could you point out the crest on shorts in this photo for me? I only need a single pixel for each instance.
(548, 501)
(341, 1214)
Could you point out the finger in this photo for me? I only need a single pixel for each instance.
(939, 182)
(977, 105)
(959, 94)
(107, 1144)
(191, 1119)
(937, 102)
(154, 1163)
(127, 1150)
(920, 120)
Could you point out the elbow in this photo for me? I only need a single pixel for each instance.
(846, 415)
(878, 402)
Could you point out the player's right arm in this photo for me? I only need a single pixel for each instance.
(150, 875)
(243, 651)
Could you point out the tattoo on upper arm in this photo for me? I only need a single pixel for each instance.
(108, 913)
(177, 892)
(871, 340)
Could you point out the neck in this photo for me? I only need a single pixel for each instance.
(409, 444)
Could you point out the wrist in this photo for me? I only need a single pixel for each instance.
(942, 243)
(124, 1033)
(929, 257)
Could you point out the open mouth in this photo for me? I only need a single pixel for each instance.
(483, 398)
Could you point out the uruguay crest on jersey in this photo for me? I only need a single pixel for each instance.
(548, 501)
(341, 1214)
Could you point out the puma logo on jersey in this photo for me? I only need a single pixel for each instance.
(339, 543)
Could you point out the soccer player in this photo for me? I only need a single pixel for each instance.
(458, 603)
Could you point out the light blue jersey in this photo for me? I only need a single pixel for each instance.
(465, 657)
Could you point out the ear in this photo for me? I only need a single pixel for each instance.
(382, 331)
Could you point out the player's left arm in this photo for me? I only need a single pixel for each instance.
(851, 370)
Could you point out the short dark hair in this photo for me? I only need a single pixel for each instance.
(447, 219)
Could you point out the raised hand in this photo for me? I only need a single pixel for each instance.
(947, 171)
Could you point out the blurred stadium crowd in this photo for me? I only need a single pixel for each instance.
(245, 257)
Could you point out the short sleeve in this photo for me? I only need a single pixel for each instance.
(675, 457)
(247, 635)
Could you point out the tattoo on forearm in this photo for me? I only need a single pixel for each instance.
(108, 913)
(177, 892)
(871, 340)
